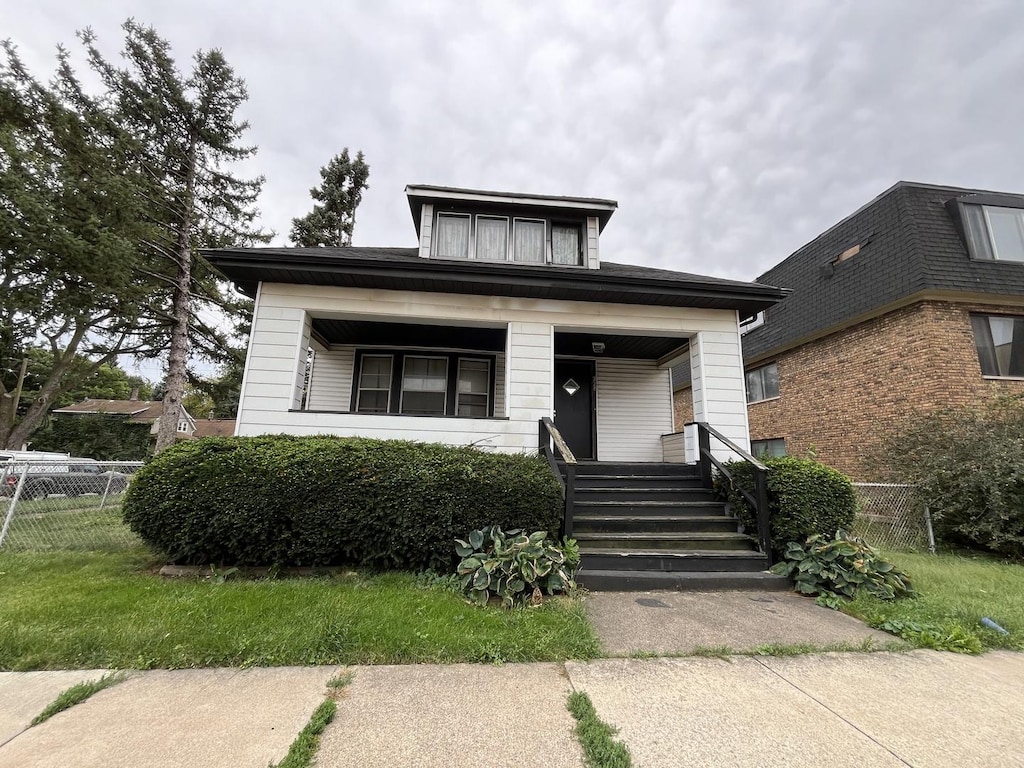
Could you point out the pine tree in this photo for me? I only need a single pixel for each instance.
(333, 218)
(189, 135)
(71, 218)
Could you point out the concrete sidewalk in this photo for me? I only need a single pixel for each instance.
(839, 709)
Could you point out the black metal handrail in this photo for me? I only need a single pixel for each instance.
(548, 436)
(758, 500)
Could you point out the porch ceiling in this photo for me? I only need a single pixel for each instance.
(371, 333)
(636, 347)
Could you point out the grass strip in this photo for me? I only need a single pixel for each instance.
(600, 749)
(303, 749)
(76, 694)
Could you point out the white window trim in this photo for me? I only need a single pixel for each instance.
(454, 215)
(758, 369)
(476, 225)
(486, 393)
(359, 382)
(546, 239)
(401, 389)
(991, 237)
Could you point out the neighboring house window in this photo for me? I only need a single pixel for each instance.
(424, 385)
(451, 237)
(565, 244)
(763, 383)
(995, 232)
(774, 447)
(374, 394)
(491, 238)
(528, 241)
(999, 340)
(474, 379)
(752, 322)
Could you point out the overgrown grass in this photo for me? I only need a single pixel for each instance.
(954, 593)
(90, 610)
(59, 523)
(76, 694)
(600, 748)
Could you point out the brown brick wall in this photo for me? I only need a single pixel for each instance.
(838, 395)
(682, 402)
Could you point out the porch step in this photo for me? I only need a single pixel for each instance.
(598, 558)
(685, 482)
(668, 540)
(636, 469)
(679, 508)
(696, 581)
(642, 493)
(584, 524)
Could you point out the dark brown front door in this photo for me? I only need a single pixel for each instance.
(574, 405)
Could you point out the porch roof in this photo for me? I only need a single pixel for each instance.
(404, 269)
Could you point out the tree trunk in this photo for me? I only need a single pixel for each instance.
(177, 354)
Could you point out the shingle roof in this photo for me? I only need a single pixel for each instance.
(138, 410)
(214, 428)
(908, 242)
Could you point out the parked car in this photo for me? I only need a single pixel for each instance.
(68, 478)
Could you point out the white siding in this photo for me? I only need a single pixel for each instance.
(673, 448)
(280, 336)
(719, 396)
(426, 229)
(331, 387)
(633, 410)
(593, 233)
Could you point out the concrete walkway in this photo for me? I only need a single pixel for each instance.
(838, 709)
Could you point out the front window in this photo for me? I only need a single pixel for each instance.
(565, 244)
(425, 385)
(528, 241)
(374, 395)
(763, 383)
(995, 232)
(451, 237)
(491, 238)
(474, 384)
(999, 340)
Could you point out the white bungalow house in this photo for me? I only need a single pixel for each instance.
(504, 314)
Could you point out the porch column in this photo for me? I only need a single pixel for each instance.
(719, 391)
(530, 357)
(276, 364)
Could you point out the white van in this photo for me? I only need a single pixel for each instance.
(38, 461)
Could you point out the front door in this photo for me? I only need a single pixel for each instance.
(574, 405)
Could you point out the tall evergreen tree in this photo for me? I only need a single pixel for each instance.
(333, 217)
(189, 134)
(70, 221)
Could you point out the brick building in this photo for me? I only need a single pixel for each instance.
(913, 302)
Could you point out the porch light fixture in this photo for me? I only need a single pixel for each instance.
(597, 346)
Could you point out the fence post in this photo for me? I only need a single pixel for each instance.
(106, 490)
(14, 503)
(928, 529)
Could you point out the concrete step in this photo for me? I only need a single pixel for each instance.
(582, 524)
(696, 581)
(672, 540)
(596, 558)
(677, 508)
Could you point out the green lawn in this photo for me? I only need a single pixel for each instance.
(89, 610)
(59, 523)
(954, 593)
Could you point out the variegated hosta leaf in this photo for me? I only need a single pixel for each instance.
(481, 579)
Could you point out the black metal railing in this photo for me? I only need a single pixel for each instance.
(552, 446)
(758, 500)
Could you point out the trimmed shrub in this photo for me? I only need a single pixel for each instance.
(805, 498)
(309, 501)
(968, 465)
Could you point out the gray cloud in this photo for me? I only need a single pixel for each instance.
(730, 133)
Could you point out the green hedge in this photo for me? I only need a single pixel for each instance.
(804, 498)
(282, 500)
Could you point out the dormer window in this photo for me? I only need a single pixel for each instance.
(487, 237)
(995, 232)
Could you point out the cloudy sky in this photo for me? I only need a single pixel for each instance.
(730, 132)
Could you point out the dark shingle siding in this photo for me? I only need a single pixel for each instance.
(909, 244)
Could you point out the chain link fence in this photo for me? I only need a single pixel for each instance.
(892, 516)
(64, 505)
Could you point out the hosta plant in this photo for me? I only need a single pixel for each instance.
(514, 565)
(840, 568)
